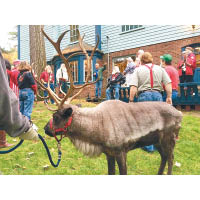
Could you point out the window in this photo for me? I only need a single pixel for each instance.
(74, 66)
(74, 33)
(126, 28)
(85, 71)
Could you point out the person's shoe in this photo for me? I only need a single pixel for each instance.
(5, 145)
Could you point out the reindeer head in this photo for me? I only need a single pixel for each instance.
(65, 110)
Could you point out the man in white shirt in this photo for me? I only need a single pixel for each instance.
(62, 78)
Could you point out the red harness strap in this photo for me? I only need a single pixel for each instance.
(151, 74)
(64, 129)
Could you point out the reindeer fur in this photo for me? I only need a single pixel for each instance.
(114, 128)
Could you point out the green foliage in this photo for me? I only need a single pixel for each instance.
(31, 157)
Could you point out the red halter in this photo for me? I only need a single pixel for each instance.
(64, 129)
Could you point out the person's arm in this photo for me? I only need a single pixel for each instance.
(168, 89)
(11, 120)
(133, 92)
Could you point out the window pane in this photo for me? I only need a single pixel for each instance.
(131, 27)
(127, 27)
(123, 28)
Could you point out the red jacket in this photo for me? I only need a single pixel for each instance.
(45, 77)
(191, 60)
(13, 76)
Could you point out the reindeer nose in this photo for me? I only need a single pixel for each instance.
(48, 130)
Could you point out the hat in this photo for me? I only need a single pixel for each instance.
(16, 62)
(189, 48)
(167, 57)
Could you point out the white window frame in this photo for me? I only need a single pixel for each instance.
(130, 28)
(75, 70)
(74, 37)
(92, 78)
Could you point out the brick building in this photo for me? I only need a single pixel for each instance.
(117, 42)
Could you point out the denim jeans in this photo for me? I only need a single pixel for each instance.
(174, 95)
(150, 96)
(64, 86)
(98, 86)
(46, 93)
(26, 100)
(109, 89)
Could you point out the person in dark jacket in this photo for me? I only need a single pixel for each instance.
(27, 88)
(98, 73)
(11, 120)
(114, 82)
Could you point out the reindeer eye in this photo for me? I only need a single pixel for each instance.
(56, 118)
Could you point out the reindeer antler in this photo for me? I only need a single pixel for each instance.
(69, 71)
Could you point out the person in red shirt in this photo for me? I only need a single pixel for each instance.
(47, 75)
(191, 58)
(186, 67)
(13, 77)
(173, 74)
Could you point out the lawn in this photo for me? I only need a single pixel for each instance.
(31, 157)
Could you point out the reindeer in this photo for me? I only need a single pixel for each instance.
(113, 127)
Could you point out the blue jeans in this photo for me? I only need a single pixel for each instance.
(174, 95)
(109, 89)
(46, 93)
(26, 100)
(98, 86)
(150, 96)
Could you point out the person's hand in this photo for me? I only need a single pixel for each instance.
(169, 100)
(105, 63)
(31, 134)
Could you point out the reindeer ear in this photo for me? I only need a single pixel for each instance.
(67, 112)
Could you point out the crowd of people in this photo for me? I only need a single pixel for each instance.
(147, 81)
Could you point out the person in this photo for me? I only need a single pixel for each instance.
(45, 77)
(173, 74)
(138, 58)
(11, 120)
(3, 141)
(147, 81)
(186, 67)
(162, 61)
(62, 78)
(129, 70)
(27, 89)
(98, 73)
(191, 58)
(114, 82)
(13, 77)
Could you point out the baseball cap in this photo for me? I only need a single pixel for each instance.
(167, 57)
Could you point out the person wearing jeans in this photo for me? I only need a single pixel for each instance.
(47, 76)
(147, 80)
(173, 74)
(114, 83)
(98, 73)
(27, 88)
(26, 100)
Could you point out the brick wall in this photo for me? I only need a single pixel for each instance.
(173, 48)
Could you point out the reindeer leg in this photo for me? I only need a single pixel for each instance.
(111, 165)
(163, 160)
(171, 154)
(121, 161)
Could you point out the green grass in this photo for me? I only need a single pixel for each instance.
(20, 162)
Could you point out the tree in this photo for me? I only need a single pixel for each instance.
(37, 48)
